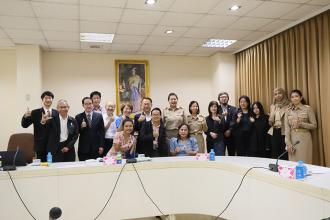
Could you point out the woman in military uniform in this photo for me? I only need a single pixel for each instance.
(173, 116)
(197, 125)
(299, 121)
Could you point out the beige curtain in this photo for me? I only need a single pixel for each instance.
(298, 58)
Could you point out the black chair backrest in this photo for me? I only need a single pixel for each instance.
(7, 158)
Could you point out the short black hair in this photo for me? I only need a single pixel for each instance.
(83, 100)
(171, 94)
(156, 109)
(210, 105)
(223, 93)
(191, 103)
(95, 93)
(47, 93)
(146, 98)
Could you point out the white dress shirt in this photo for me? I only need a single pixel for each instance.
(110, 133)
(64, 128)
(48, 110)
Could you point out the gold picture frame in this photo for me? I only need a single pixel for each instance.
(132, 82)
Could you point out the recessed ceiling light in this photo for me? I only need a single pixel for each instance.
(235, 8)
(218, 43)
(96, 37)
(169, 31)
(150, 2)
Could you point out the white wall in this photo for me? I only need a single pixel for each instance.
(223, 78)
(7, 95)
(28, 81)
(74, 75)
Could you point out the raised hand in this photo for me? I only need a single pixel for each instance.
(27, 113)
(141, 118)
(83, 124)
(44, 118)
(155, 134)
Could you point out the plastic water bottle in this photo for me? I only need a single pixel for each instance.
(118, 158)
(300, 170)
(49, 158)
(212, 155)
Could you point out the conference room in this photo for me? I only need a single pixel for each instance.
(181, 89)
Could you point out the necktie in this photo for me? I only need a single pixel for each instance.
(89, 120)
(48, 113)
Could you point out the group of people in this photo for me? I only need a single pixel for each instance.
(243, 131)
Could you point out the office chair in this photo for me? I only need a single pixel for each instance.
(25, 143)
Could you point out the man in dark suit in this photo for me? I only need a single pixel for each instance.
(91, 130)
(140, 118)
(228, 112)
(39, 117)
(62, 133)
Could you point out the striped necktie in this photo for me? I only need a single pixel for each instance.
(89, 119)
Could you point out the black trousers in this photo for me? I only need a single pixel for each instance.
(242, 142)
(108, 144)
(230, 145)
(69, 156)
(42, 155)
(278, 144)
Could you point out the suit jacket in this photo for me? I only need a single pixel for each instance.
(39, 130)
(232, 110)
(91, 137)
(215, 127)
(146, 141)
(137, 124)
(54, 132)
(237, 128)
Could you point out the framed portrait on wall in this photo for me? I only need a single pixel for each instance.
(132, 82)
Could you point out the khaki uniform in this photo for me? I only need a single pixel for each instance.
(172, 119)
(304, 115)
(197, 126)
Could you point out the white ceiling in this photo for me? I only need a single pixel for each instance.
(139, 29)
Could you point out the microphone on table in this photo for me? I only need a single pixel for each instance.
(138, 159)
(55, 213)
(274, 167)
(12, 167)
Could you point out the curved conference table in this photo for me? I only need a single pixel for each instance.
(176, 184)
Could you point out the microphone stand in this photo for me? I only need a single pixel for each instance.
(274, 167)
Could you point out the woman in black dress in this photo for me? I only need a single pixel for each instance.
(242, 126)
(214, 134)
(259, 137)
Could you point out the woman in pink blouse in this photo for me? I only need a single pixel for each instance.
(124, 141)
